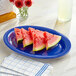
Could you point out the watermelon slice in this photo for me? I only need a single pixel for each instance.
(51, 40)
(31, 31)
(27, 40)
(38, 40)
(18, 34)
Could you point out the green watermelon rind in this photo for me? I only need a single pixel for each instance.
(39, 48)
(56, 42)
(27, 44)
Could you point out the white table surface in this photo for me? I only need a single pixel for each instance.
(64, 66)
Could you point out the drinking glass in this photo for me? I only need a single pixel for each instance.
(64, 10)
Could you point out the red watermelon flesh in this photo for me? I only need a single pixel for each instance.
(27, 40)
(35, 31)
(38, 40)
(51, 40)
(31, 31)
(18, 34)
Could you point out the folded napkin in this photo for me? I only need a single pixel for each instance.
(18, 65)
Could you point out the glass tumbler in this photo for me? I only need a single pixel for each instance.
(64, 10)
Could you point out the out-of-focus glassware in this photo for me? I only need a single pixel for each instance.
(64, 10)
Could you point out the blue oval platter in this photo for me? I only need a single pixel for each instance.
(61, 49)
